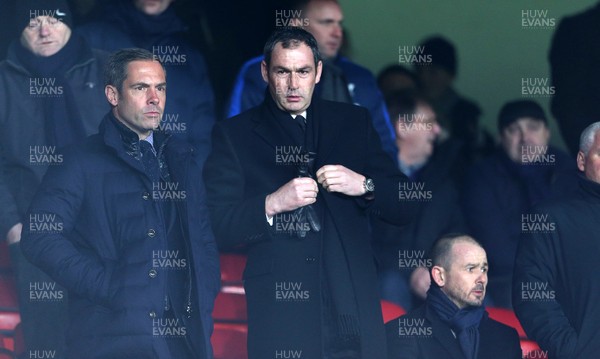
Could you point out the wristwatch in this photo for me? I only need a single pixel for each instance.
(369, 186)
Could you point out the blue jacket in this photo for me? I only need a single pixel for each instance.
(249, 91)
(95, 228)
(190, 109)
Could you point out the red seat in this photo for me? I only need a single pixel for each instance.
(508, 317)
(8, 292)
(229, 341)
(232, 267)
(531, 350)
(4, 256)
(390, 310)
(230, 306)
(9, 320)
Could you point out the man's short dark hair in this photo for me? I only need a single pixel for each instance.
(396, 70)
(290, 38)
(443, 53)
(441, 251)
(115, 70)
(406, 102)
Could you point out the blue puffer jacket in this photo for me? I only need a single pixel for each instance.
(249, 91)
(96, 228)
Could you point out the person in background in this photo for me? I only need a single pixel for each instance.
(500, 190)
(153, 25)
(555, 286)
(457, 115)
(401, 251)
(50, 97)
(396, 78)
(575, 76)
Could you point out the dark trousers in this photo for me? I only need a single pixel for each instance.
(43, 307)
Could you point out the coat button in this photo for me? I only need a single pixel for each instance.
(152, 273)
(145, 196)
(310, 259)
(152, 314)
(151, 233)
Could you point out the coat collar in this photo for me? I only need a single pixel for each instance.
(125, 143)
(328, 125)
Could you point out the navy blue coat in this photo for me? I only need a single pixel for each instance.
(94, 227)
(421, 334)
(249, 91)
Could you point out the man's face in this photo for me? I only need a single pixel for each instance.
(419, 131)
(325, 24)
(523, 133)
(45, 36)
(152, 7)
(590, 164)
(466, 279)
(291, 77)
(140, 103)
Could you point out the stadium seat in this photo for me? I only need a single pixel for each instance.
(229, 341)
(390, 310)
(232, 267)
(508, 317)
(230, 307)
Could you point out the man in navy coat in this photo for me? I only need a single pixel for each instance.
(453, 322)
(294, 180)
(123, 226)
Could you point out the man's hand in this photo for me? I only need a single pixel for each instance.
(297, 193)
(337, 178)
(14, 234)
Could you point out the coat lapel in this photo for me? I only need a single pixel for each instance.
(329, 128)
(267, 129)
(443, 334)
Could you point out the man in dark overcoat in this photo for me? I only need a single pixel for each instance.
(294, 179)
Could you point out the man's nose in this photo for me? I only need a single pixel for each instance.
(153, 96)
(293, 81)
(337, 31)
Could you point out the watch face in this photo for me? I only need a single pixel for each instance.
(369, 185)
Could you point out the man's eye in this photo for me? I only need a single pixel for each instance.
(162, 88)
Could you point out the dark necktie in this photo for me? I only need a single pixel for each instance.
(301, 122)
(150, 161)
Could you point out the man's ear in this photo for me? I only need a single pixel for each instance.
(581, 161)
(112, 95)
(439, 275)
(319, 70)
(264, 71)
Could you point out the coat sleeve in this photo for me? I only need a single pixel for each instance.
(400, 347)
(45, 242)
(9, 214)
(543, 321)
(231, 212)
(387, 178)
